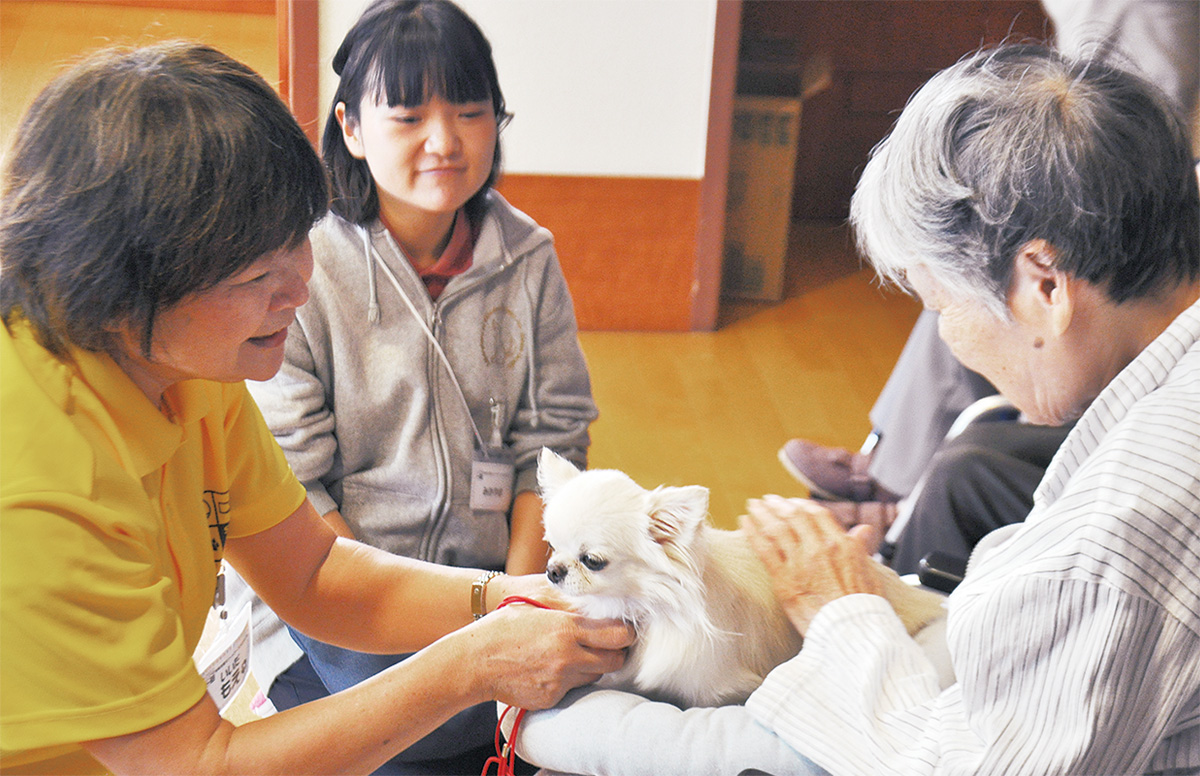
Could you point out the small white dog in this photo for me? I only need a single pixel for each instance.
(708, 623)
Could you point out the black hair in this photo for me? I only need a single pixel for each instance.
(406, 51)
(140, 177)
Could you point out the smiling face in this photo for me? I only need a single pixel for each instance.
(427, 160)
(233, 331)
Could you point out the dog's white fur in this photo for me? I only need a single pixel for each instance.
(708, 623)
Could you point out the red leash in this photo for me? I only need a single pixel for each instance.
(506, 758)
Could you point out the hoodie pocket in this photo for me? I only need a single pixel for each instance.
(391, 520)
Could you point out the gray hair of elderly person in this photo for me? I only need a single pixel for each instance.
(1019, 143)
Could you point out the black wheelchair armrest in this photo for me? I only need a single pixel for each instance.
(941, 571)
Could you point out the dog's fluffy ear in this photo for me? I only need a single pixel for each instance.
(676, 513)
(553, 471)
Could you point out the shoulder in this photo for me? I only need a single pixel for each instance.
(1149, 455)
(332, 227)
(1126, 521)
(517, 232)
(333, 237)
(340, 262)
(1120, 506)
(214, 403)
(40, 446)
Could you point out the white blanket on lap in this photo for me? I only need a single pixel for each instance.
(620, 734)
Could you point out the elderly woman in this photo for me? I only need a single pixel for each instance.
(153, 229)
(1048, 209)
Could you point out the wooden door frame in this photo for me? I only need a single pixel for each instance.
(710, 234)
(299, 61)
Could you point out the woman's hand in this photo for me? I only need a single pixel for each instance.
(810, 558)
(533, 586)
(521, 655)
(532, 656)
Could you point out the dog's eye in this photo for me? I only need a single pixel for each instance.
(593, 562)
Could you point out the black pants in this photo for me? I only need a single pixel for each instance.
(979, 481)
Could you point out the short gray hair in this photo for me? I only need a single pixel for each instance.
(1019, 143)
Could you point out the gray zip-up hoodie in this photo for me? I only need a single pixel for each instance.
(367, 413)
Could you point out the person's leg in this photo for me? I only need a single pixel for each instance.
(468, 763)
(831, 473)
(981, 480)
(298, 684)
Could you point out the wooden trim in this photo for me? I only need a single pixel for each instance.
(710, 234)
(299, 61)
(257, 7)
(626, 245)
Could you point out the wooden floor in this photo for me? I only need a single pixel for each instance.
(713, 408)
(692, 408)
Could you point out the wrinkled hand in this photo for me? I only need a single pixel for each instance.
(531, 657)
(811, 559)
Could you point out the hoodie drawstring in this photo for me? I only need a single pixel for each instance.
(534, 420)
(372, 291)
(387, 271)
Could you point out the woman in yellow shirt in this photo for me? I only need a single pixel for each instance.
(153, 233)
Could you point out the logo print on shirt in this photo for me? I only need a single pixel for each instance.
(216, 509)
(501, 338)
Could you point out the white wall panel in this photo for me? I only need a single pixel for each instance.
(597, 87)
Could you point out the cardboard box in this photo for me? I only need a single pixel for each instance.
(758, 209)
(762, 168)
(774, 81)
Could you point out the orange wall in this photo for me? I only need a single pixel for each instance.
(627, 245)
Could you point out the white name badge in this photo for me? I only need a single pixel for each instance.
(491, 485)
(226, 664)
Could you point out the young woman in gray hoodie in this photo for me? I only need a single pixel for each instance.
(438, 351)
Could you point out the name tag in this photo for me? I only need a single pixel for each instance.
(226, 665)
(491, 485)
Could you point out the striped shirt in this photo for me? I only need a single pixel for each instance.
(1075, 637)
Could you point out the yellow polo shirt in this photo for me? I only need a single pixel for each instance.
(113, 519)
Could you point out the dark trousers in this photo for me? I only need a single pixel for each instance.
(299, 684)
(979, 481)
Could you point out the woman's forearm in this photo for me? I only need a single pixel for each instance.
(346, 593)
(349, 594)
(523, 656)
(355, 731)
(369, 600)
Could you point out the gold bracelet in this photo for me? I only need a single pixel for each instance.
(479, 593)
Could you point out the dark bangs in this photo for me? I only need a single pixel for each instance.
(420, 61)
(141, 177)
(257, 185)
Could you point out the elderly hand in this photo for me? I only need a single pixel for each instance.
(810, 558)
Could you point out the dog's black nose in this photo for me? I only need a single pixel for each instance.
(556, 572)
